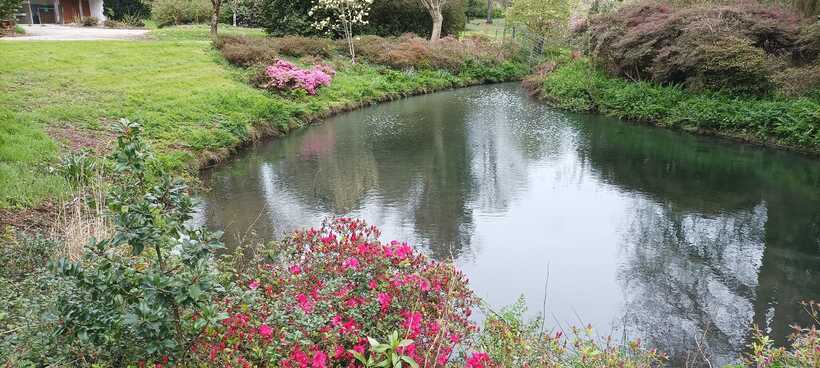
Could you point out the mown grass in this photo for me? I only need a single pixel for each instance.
(790, 122)
(192, 104)
(479, 26)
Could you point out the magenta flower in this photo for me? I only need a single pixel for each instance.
(295, 269)
(305, 303)
(265, 331)
(351, 263)
(384, 300)
(285, 76)
(477, 360)
(253, 284)
(319, 360)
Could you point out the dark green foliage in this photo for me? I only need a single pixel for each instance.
(287, 17)
(732, 47)
(387, 18)
(478, 9)
(146, 293)
(8, 8)
(120, 10)
(396, 17)
(793, 122)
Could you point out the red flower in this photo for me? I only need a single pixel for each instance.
(295, 269)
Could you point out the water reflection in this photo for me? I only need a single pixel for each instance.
(666, 236)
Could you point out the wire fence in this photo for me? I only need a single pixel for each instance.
(532, 43)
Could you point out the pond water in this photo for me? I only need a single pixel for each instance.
(639, 231)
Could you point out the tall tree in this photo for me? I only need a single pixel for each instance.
(434, 8)
(489, 11)
(217, 4)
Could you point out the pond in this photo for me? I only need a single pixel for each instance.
(643, 232)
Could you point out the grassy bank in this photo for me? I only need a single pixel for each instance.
(787, 122)
(63, 96)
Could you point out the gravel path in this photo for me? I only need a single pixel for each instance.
(52, 32)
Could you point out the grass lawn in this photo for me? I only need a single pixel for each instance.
(65, 95)
(480, 26)
(174, 84)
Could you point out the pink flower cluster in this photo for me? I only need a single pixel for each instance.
(285, 76)
(335, 287)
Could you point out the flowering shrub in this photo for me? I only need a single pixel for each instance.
(330, 290)
(284, 76)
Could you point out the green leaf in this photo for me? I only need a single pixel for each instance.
(410, 361)
(194, 292)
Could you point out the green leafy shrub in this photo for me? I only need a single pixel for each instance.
(245, 50)
(8, 8)
(145, 294)
(804, 349)
(29, 291)
(305, 46)
(78, 168)
(733, 47)
(512, 341)
(120, 10)
(176, 12)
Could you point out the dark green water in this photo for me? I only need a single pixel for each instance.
(637, 230)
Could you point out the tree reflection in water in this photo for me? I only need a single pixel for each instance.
(702, 237)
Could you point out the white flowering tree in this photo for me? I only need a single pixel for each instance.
(341, 15)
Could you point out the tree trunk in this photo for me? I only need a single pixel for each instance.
(438, 19)
(489, 11)
(215, 17)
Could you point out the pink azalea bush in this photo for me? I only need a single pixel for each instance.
(285, 76)
(329, 290)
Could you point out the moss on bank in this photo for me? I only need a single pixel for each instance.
(786, 122)
(196, 109)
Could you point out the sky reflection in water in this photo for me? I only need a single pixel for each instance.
(643, 231)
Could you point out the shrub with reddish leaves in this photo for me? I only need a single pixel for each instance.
(329, 290)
